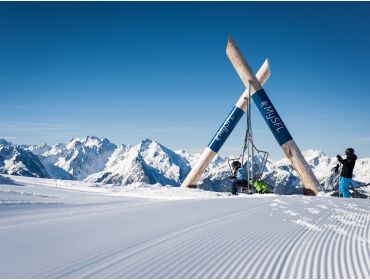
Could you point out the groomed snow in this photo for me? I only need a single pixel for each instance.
(70, 229)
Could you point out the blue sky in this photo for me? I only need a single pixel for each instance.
(129, 71)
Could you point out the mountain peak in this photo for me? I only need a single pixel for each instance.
(4, 142)
(313, 153)
(148, 141)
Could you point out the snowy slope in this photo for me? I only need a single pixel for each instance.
(67, 229)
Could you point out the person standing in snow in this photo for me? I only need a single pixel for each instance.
(347, 171)
(239, 176)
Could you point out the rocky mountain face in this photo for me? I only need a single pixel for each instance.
(97, 160)
(15, 160)
(79, 157)
(147, 162)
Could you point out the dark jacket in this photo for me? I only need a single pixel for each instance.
(348, 165)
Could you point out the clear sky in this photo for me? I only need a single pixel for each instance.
(129, 71)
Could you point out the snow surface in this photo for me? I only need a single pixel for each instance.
(69, 229)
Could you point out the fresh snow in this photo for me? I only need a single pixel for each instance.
(69, 229)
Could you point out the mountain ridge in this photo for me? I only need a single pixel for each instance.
(97, 160)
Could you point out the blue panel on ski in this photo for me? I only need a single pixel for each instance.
(226, 128)
(271, 117)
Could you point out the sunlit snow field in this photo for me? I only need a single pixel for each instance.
(69, 229)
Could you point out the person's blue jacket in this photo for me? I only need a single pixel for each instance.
(241, 174)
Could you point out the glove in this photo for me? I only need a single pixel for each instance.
(339, 157)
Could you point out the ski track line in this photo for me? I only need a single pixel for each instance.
(42, 267)
(217, 219)
(238, 259)
(311, 252)
(155, 241)
(67, 189)
(211, 265)
(349, 249)
(113, 250)
(331, 252)
(328, 261)
(94, 255)
(303, 251)
(342, 264)
(84, 211)
(356, 251)
(198, 250)
(360, 257)
(344, 250)
(192, 244)
(339, 249)
(293, 259)
(228, 257)
(310, 239)
(196, 245)
(118, 251)
(119, 241)
(24, 193)
(310, 261)
(253, 257)
(248, 255)
(288, 250)
(206, 262)
(171, 256)
(342, 258)
(304, 267)
(321, 258)
(366, 243)
(208, 266)
(285, 238)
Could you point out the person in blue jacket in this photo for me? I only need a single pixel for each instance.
(348, 164)
(239, 177)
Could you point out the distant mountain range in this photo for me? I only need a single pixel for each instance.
(97, 160)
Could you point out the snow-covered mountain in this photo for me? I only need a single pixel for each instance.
(15, 160)
(38, 149)
(80, 157)
(148, 162)
(97, 160)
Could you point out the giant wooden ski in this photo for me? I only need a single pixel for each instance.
(272, 118)
(223, 132)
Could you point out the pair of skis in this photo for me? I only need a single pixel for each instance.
(270, 115)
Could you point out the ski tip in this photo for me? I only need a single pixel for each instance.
(231, 39)
(264, 72)
(230, 42)
(267, 63)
